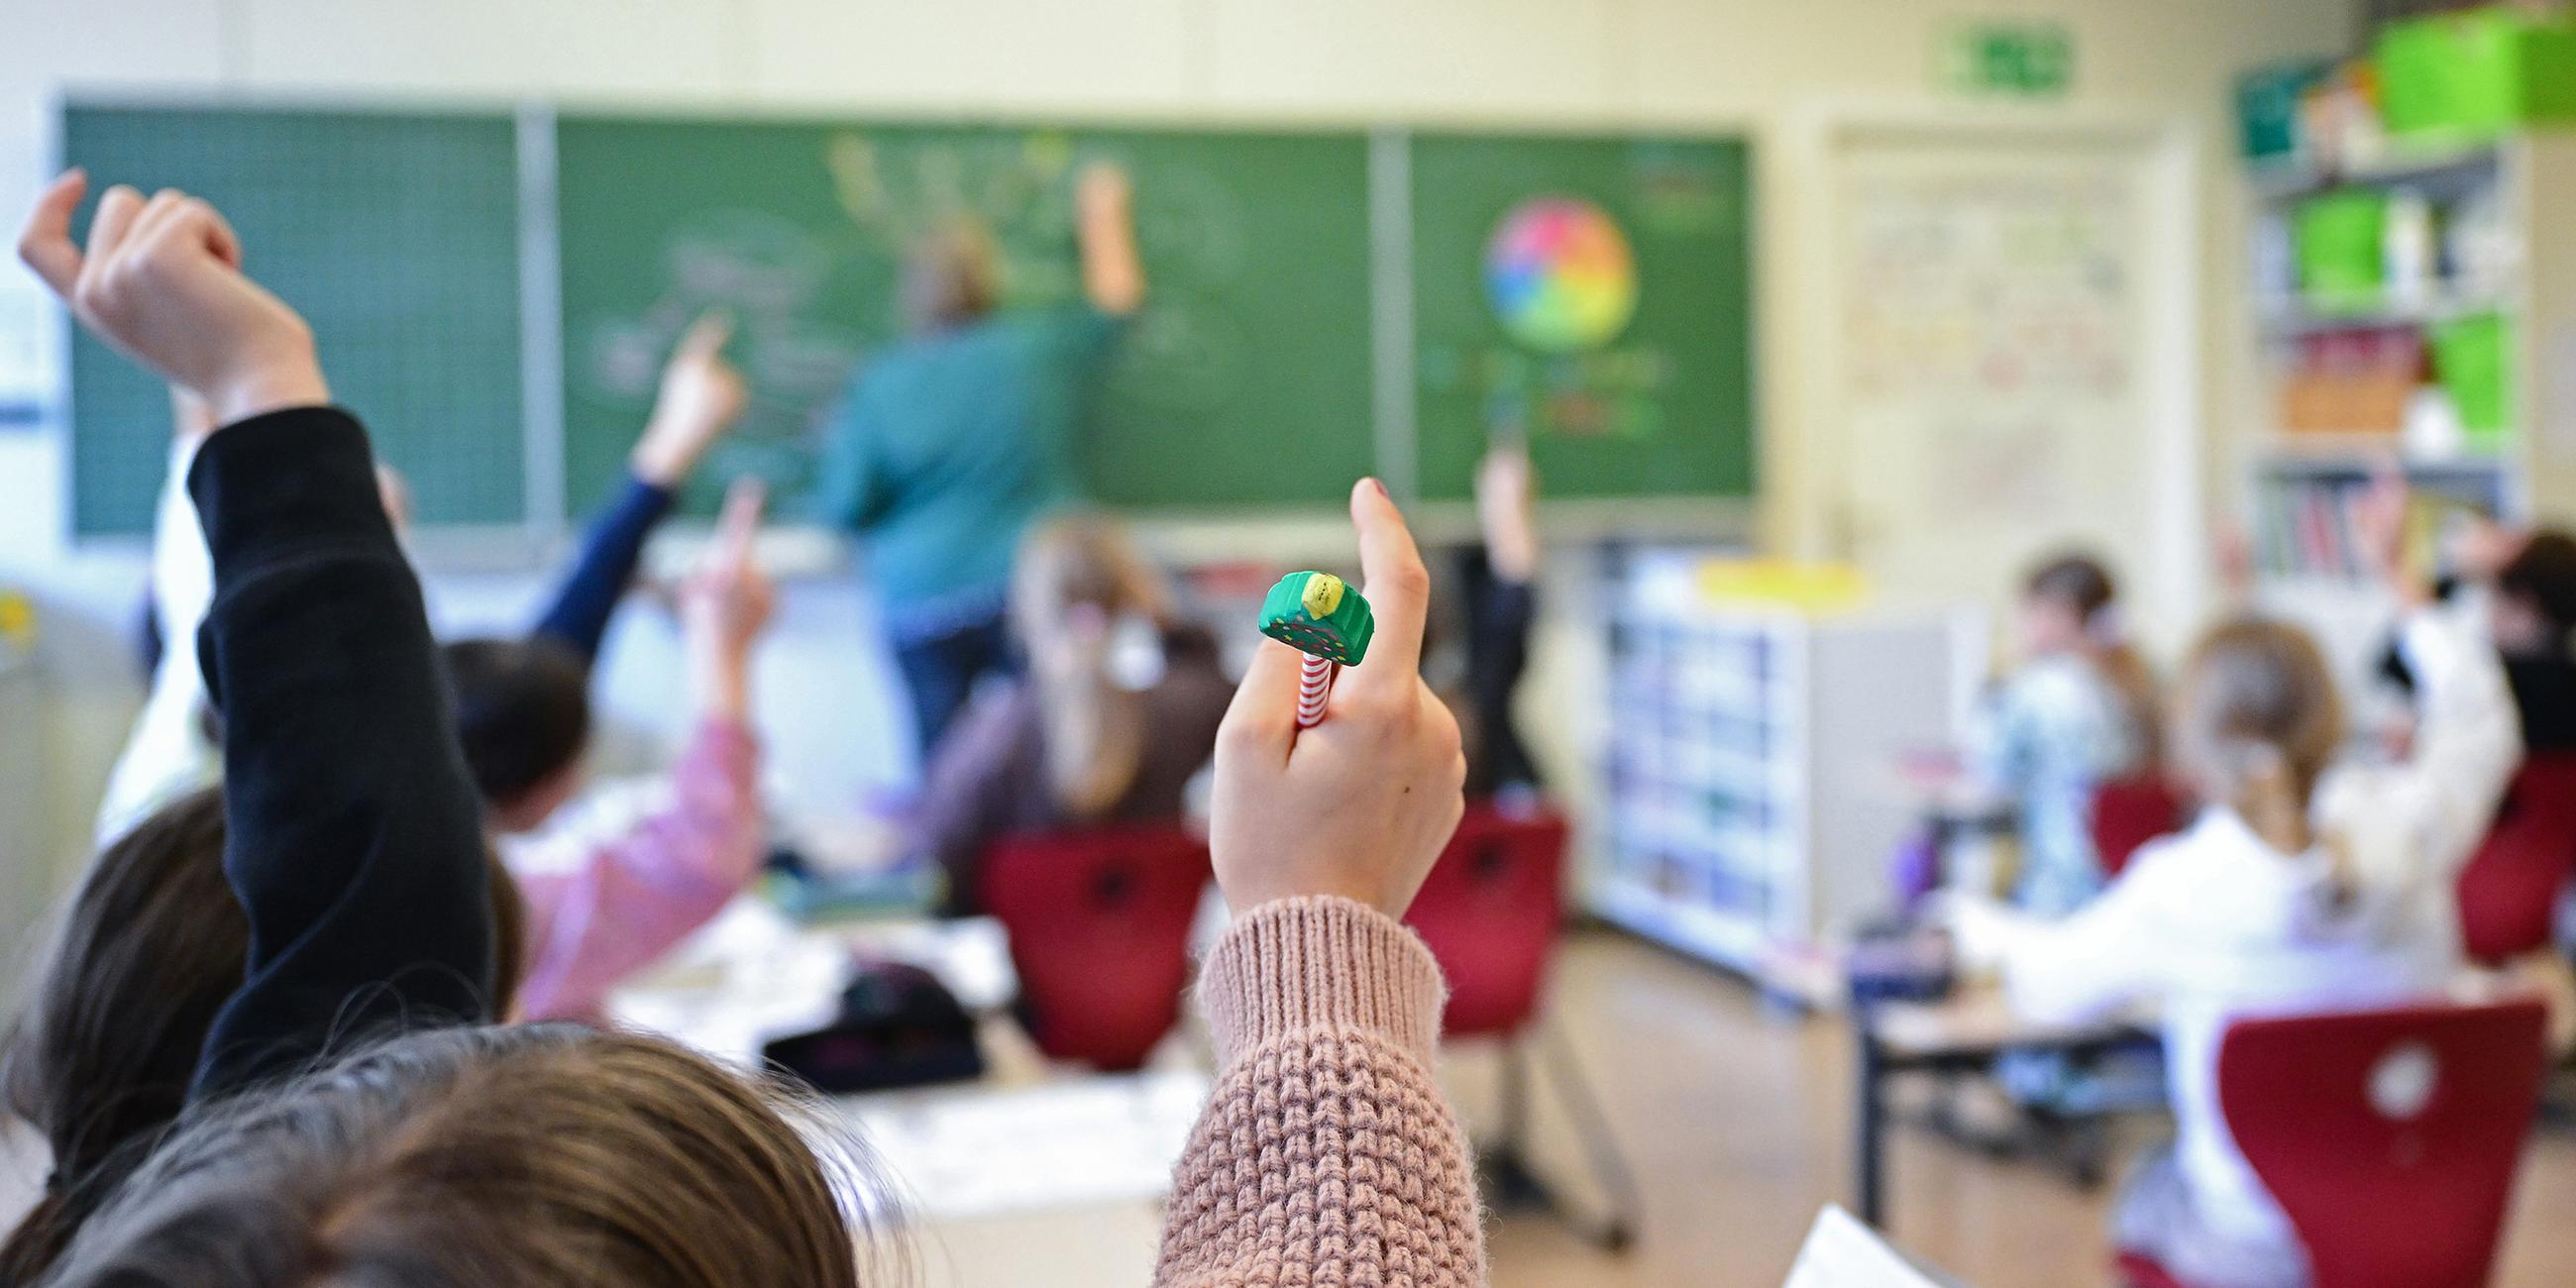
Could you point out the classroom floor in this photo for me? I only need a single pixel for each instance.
(1737, 1120)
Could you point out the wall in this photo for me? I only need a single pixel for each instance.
(1751, 64)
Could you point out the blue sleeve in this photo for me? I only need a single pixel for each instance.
(849, 491)
(610, 552)
(355, 840)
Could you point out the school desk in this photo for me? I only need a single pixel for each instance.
(1962, 1034)
(1033, 1173)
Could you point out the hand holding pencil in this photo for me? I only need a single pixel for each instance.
(1360, 804)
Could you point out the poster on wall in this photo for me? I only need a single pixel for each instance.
(1988, 319)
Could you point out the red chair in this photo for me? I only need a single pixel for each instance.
(2128, 813)
(2509, 890)
(1099, 923)
(2389, 1138)
(1490, 911)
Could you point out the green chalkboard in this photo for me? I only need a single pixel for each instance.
(1593, 295)
(395, 234)
(1245, 380)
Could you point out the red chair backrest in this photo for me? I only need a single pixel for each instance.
(1490, 912)
(2390, 1138)
(2128, 813)
(2510, 888)
(1099, 923)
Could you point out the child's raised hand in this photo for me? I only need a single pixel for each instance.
(160, 280)
(728, 601)
(702, 396)
(1360, 805)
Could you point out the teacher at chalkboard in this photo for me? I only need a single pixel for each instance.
(953, 440)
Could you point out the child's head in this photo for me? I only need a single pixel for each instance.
(951, 277)
(1075, 577)
(147, 951)
(523, 718)
(2064, 605)
(2535, 596)
(491, 1156)
(2256, 719)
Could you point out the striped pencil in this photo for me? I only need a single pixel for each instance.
(1318, 615)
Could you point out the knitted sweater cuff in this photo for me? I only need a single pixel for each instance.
(1320, 964)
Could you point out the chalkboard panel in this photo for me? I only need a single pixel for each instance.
(1591, 294)
(1245, 380)
(395, 234)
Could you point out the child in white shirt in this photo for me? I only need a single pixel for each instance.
(2303, 887)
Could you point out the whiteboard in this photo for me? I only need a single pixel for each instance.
(2006, 336)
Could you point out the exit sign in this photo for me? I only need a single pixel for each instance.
(2016, 59)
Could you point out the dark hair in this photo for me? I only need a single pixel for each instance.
(144, 955)
(2081, 582)
(2078, 581)
(493, 1155)
(2544, 575)
(522, 711)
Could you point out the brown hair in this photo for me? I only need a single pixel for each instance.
(1095, 733)
(494, 1155)
(2256, 723)
(146, 952)
(2085, 587)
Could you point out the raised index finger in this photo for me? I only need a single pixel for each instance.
(740, 522)
(46, 242)
(1399, 589)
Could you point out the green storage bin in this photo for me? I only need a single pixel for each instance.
(2472, 361)
(2341, 237)
(2476, 74)
(2267, 106)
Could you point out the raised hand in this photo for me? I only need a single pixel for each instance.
(702, 396)
(160, 279)
(726, 604)
(1360, 805)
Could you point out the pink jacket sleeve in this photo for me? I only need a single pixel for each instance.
(636, 894)
(1327, 1155)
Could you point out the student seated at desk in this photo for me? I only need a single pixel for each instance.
(1068, 744)
(2079, 711)
(354, 1117)
(2305, 885)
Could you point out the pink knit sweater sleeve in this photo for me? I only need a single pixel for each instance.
(635, 894)
(1328, 1155)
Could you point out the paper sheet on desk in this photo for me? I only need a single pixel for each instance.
(1840, 1252)
(748, 976)
(1089, 1142)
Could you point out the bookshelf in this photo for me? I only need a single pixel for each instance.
(2458, 365)
(1753, 798)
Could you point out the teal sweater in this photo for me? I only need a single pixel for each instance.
(949, 445)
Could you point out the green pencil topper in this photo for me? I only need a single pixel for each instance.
(1319, 615)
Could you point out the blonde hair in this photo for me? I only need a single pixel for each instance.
(463, 1157)
(2256, 722)
(951, 277)
(1095, 735)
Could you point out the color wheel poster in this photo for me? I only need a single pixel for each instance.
(1589, 297)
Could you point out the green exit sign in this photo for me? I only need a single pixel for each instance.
(2017, 59)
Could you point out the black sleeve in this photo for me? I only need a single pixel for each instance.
(1499, 616)
(599, 578)
(355, 845)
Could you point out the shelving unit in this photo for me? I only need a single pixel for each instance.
(1752, 800)
(2517, 264)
